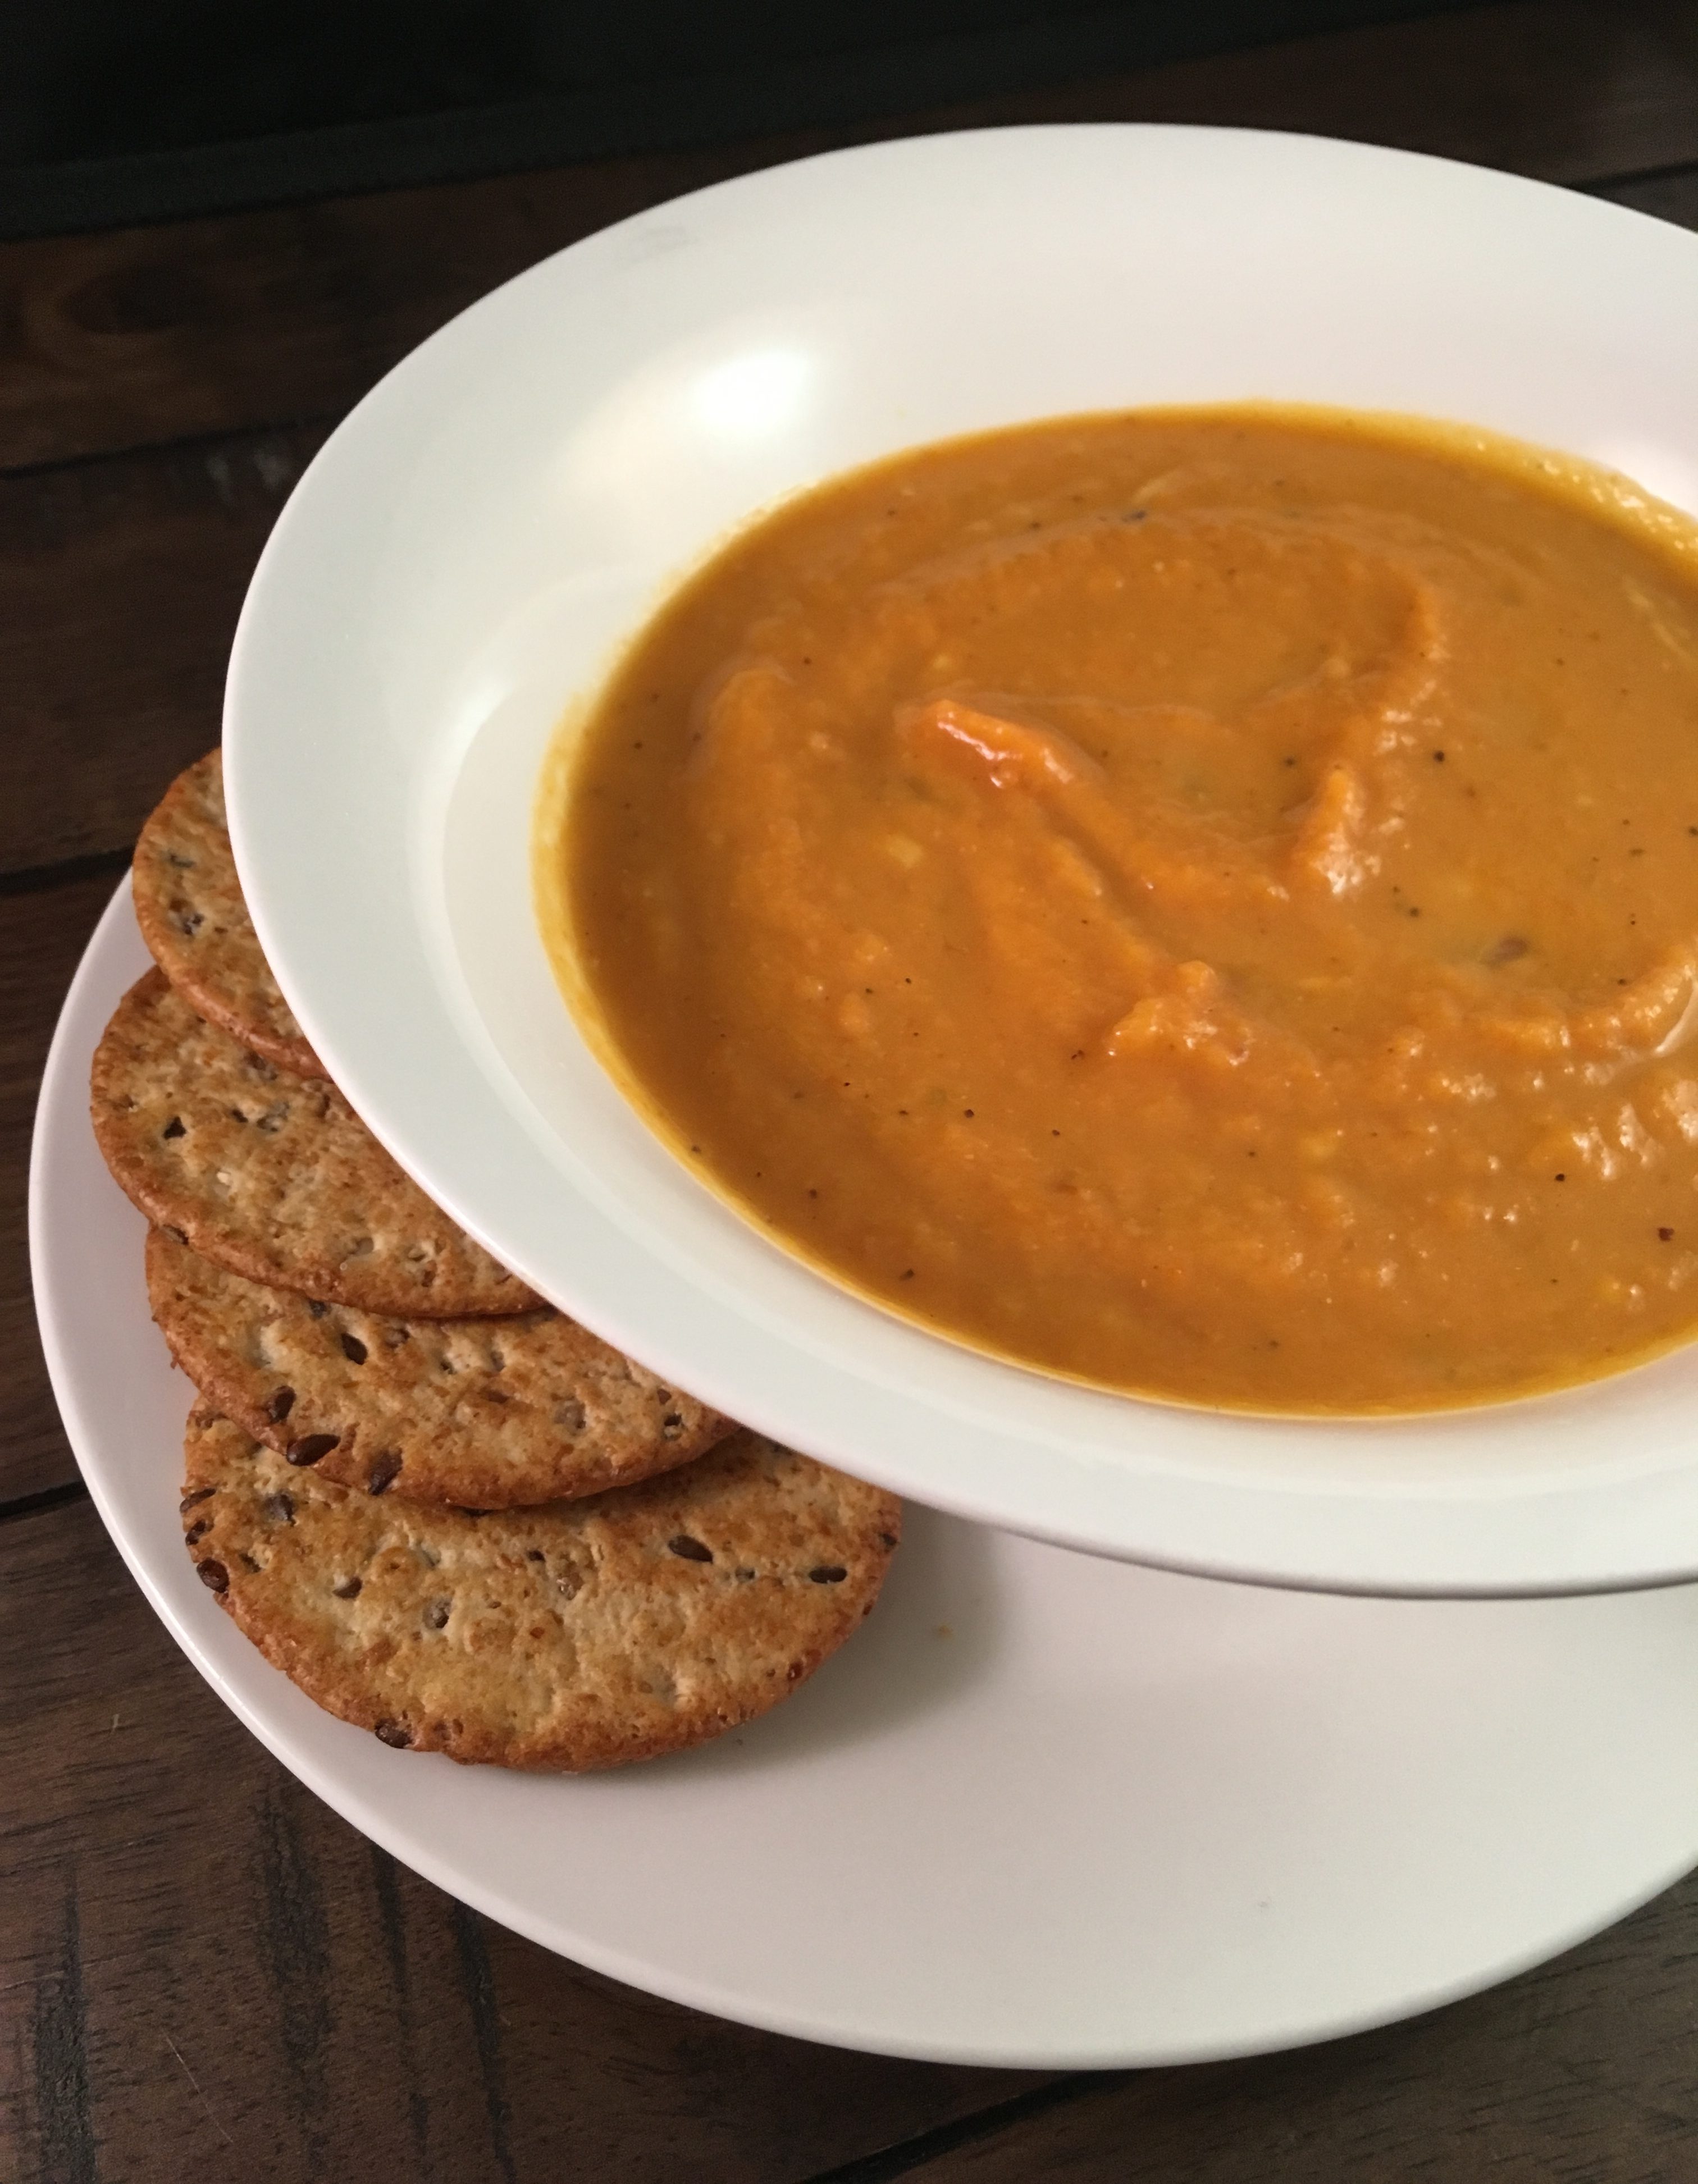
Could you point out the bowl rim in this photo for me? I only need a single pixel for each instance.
(395, 1045)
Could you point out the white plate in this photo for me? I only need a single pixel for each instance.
(1112, 1816)
(461, 558)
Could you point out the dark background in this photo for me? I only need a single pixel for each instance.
(111, 111)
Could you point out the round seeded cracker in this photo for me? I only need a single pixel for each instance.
(577, 1636)
(189, 905)
(274, 1175)
(487, 1413)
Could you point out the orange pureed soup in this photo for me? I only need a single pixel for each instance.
(1205, 902)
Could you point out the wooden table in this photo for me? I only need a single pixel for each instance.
(203, 1969)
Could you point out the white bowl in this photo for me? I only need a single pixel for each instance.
(464, 559)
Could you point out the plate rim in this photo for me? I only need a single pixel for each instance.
(60, 1110)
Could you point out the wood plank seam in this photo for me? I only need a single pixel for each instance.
(910, 2154)
(212, 442)
(64, 2120)
(391, 1917)
(50, 1497)
(1601, 184)
(478, 1981)
(65, 872)
(294, 1940)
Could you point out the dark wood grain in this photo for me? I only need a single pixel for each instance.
(1587, 2070)
(202, 1971)
(212, 326)
(205, 1972)
(42, 934)
(124, 573)
(1671, 197)
(121, 580)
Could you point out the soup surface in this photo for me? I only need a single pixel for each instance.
(1205, 902)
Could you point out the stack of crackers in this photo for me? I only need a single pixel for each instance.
(447, 1512)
